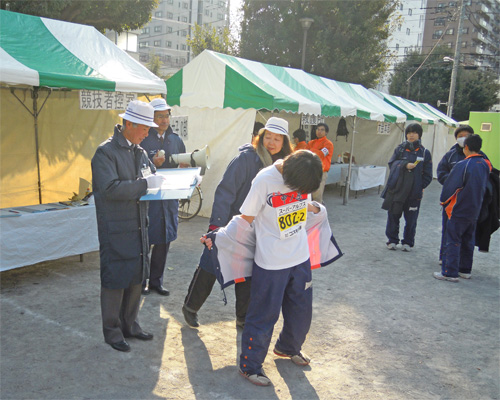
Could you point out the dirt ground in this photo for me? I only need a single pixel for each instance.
(382, 328)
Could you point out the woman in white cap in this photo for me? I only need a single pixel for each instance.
(271, 144)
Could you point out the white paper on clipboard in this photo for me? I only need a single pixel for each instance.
(179, 183)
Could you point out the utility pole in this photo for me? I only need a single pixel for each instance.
(456, 60)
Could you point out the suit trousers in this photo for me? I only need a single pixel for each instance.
(201, 286)
(119, 309)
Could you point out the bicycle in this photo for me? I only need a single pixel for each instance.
(189, 208)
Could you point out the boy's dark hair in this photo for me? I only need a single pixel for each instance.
(462, 128)
(327, 129)
(257, 127)
(417, 128)
(302, 171)
(300, 134)
(474, 143)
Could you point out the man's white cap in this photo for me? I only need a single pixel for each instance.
(140, 112)
(277, 125)
(160, 104)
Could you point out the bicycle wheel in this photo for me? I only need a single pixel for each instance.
(189, 208)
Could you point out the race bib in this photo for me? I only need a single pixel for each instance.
(291, 213)
(325, 151)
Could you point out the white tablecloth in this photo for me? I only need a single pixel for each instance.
(334, 173)
(364, 177)
(35, 237)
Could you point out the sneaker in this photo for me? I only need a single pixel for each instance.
(256, 379)
(441, 277)
(391, 246)
(406, 247)
(190, 317)
(297, 359)
(240, 323)
(464, 275)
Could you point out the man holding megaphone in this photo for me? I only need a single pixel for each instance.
(160, 144)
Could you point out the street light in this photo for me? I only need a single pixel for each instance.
(306, 24)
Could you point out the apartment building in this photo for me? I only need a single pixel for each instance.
(480, 35)
(407, 36)
(171, 23)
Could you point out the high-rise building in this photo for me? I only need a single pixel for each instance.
(407, 36)
(171, 23)
(480, 34)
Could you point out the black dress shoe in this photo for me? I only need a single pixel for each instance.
(145, 291)
(160, 290)
(121, 346)
(141, 336)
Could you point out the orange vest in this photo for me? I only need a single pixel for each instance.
(324, 149)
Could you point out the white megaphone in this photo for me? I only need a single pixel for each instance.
(198, 158)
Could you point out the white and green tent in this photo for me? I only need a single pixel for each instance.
(44, 64)
(43, 52)
(215, 89)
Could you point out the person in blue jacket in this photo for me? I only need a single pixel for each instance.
(414, 158)
(160, 144)
(462, 198)
(269, 145)
(449, 160)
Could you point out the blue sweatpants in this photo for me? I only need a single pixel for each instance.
(444, 223)
(460, 240)
(392, 227)
(288, 290)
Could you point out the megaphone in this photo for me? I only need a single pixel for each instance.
(198, 158)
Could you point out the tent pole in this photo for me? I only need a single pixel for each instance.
(34, 96)
(348, 179)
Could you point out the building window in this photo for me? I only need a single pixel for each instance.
(170, 1)
(169, 29)
(143, 45)
(450, 31)
(183, 47)
(440, 7)
(439, 22)
(465, 31)
(185, 5)
(158, 14)
(464, 45)
(184, 33)
(168, 43)
(410, 11)
(183, 60)
(397, 46)
(407, 31)
(220, 17)
(207, 13)
(399, 27)
(145, 30)
(452, 3)
(158, 28)
(401, 8)
(144, 57)
(222, 3)
(437, 34)
(449, 45)
(157, 43)
(184, 19)
(170, 15)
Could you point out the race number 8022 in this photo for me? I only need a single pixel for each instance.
(292, 219)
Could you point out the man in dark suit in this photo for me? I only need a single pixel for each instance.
(160, 144)
(121, 174)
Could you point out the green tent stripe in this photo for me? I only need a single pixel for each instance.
(174, 89)
(275, 100)
(327, 109)
(61, 69)
(243, 93)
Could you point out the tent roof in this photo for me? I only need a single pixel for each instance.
(39, 51)
(416, 111)
(218, 80)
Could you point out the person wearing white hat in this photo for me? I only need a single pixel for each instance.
(160, 144)
(121, 174)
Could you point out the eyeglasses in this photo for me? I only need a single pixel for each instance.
(162, 116)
